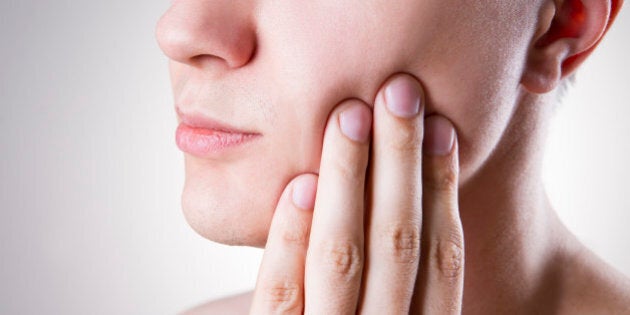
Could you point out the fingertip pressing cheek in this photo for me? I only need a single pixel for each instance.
(309, 57)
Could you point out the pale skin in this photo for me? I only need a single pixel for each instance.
(336, 269)
(469, 231)
(392, 275)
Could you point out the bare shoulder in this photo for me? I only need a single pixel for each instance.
(238, 304)
(595, 287)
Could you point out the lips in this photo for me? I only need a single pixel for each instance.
(207, 138)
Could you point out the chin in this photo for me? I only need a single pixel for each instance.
(232, 207)
(225, 220)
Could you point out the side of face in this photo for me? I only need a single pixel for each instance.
(280, 67)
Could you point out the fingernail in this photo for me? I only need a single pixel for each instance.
(402, 96)
(304, 189)
(439, 136)
(356, 122)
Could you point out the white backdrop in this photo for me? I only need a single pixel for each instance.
(90, 177)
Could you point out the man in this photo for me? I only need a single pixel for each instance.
(412, 128)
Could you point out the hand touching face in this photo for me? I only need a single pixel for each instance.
(360, 248)
(278, 68)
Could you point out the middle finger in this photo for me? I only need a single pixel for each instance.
(395, 219)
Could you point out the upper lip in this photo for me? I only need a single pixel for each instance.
(199, 120)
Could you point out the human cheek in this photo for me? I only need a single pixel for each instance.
(473, 81)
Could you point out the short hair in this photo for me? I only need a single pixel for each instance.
(564, 87)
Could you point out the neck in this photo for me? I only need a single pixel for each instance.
(512, 235)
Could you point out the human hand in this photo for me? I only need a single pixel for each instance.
(359, 251)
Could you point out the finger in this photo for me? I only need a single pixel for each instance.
(442, 275)
(335, 254)
(280, 283)
(395, 192)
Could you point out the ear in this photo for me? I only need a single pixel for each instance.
(568, 31)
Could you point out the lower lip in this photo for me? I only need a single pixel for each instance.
(206, 142)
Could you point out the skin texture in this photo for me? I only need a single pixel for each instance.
(280, 68)
(300, 71)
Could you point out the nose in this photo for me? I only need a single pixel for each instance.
(206, 32)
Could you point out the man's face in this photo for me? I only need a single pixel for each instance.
(279, 68)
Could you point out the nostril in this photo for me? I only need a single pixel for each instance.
(242, 50)
(209, 62)
(201, 33)
(175, 40)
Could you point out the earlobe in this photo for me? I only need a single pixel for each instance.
(569, 30)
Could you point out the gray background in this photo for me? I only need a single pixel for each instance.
(90, 177)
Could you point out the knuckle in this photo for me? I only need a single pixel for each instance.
(403, 242)
(448, 255)
(296, 235)
(343, 258)
(405, 137)
(442, 179)
(350, 168)
(283, 296)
